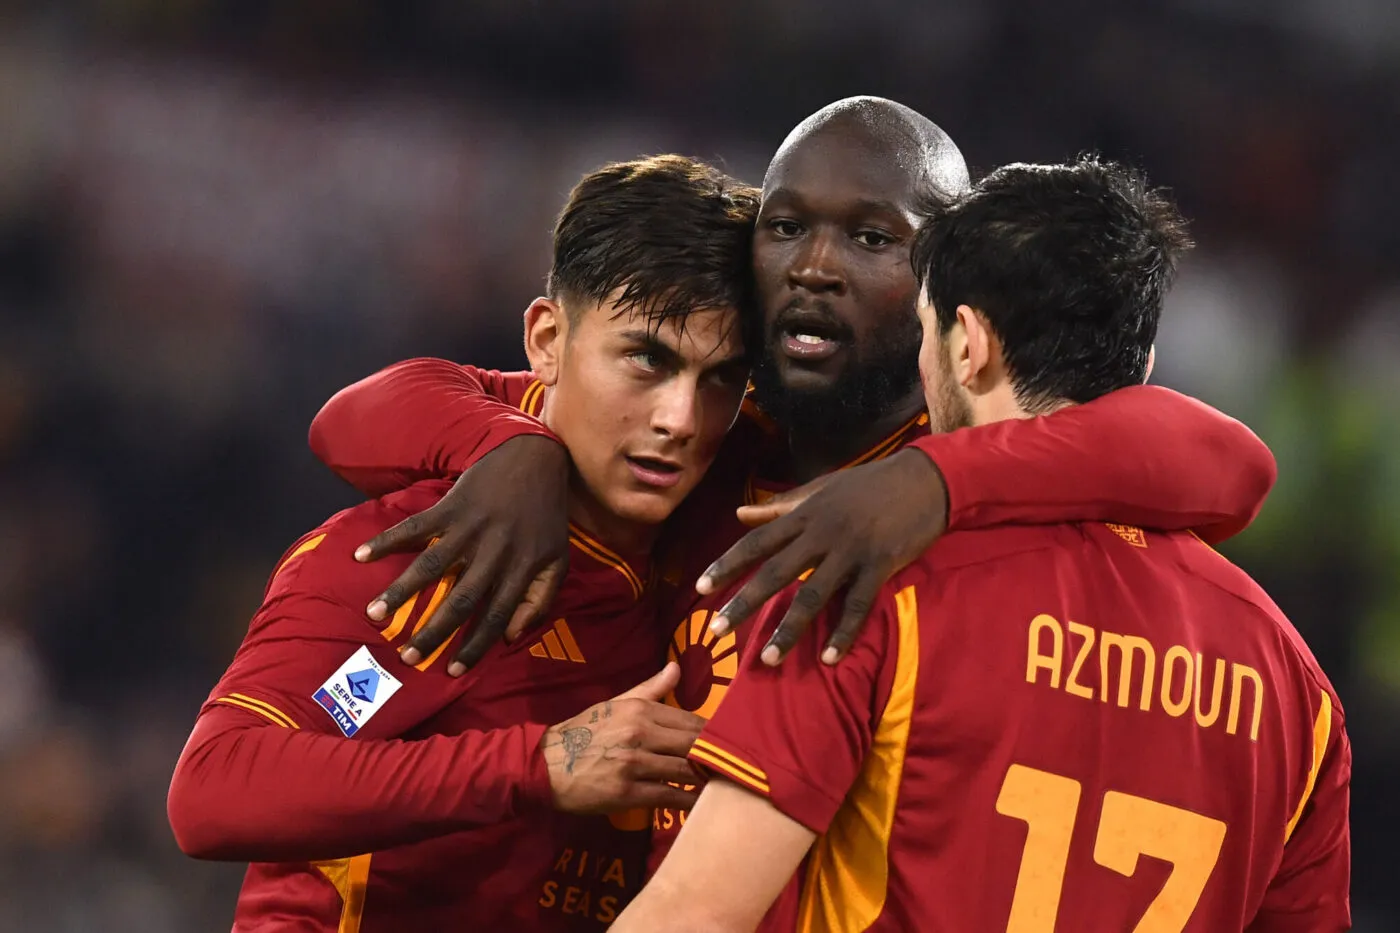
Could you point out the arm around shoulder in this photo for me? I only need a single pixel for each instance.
(1143, 455)
(419, 419)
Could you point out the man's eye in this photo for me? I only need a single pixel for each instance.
(785, 228)
(874, 238)
(645, 360)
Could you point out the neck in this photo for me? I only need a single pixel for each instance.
(1001, 404)
(628, 538)
(816, 452)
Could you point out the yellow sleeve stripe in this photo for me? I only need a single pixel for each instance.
(604, 556)
(734, 761)
(265, 710)
(310, 544)
(529, 402)
(1322, 731)
(263, 704)
(730, 771)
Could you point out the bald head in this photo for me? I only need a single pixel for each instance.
(842, 201)
(888, 131)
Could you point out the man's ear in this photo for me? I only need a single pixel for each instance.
(546, 328)
(1151, 361)
(975, 348)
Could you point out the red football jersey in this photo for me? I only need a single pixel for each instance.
(706, 527)
(470, 846)
(422, 419)
(1068, 727)
(1191, 467)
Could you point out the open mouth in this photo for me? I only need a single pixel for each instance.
(804, 342)
(654, 472)
(810, 334)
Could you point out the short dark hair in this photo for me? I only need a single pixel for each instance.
(1069, 264)
(672, 232)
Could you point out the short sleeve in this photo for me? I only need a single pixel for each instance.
(799, 733)
(1309, 892)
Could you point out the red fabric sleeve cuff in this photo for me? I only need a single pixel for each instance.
(793, 794)
(535, 790)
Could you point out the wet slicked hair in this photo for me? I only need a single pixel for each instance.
(672, 232)
(920, 145)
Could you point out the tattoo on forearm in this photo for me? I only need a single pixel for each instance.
(576, 740)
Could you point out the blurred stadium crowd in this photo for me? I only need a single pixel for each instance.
(214, 213)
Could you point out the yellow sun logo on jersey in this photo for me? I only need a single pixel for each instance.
(708, 664)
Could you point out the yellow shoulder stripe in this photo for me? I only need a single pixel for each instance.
(847, 878)
(1322, 731)
(310, 544)
(443, 586)
(399, 622)
(400, 619)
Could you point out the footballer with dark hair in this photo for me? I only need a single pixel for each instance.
(836, 395)
(371, 796)
(1072, 726)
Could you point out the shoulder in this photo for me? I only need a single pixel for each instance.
(984, 551)
(322, 562)
(520, 388)
(1201, 562)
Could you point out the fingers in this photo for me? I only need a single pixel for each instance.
(647, 766)
(455, 610)
(672, 717)
(674, 742)
(780, 504)
(491, 625)
(426, 568)
(657, 685)
(860, 599)
(412, 532)
(749, 550)
(754, 516)
(807, 603)
(474, 647)
(778, 571)
(539, 595)
(664, 796)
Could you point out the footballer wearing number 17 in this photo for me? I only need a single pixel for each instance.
(1041, 728)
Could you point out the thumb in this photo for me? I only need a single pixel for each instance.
(657, 686)
(538, 596)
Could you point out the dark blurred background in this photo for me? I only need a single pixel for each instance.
(214, 213)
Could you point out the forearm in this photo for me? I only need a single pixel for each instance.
(1142, 456)
(419, 419)
(250, 792)
(657, 910)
